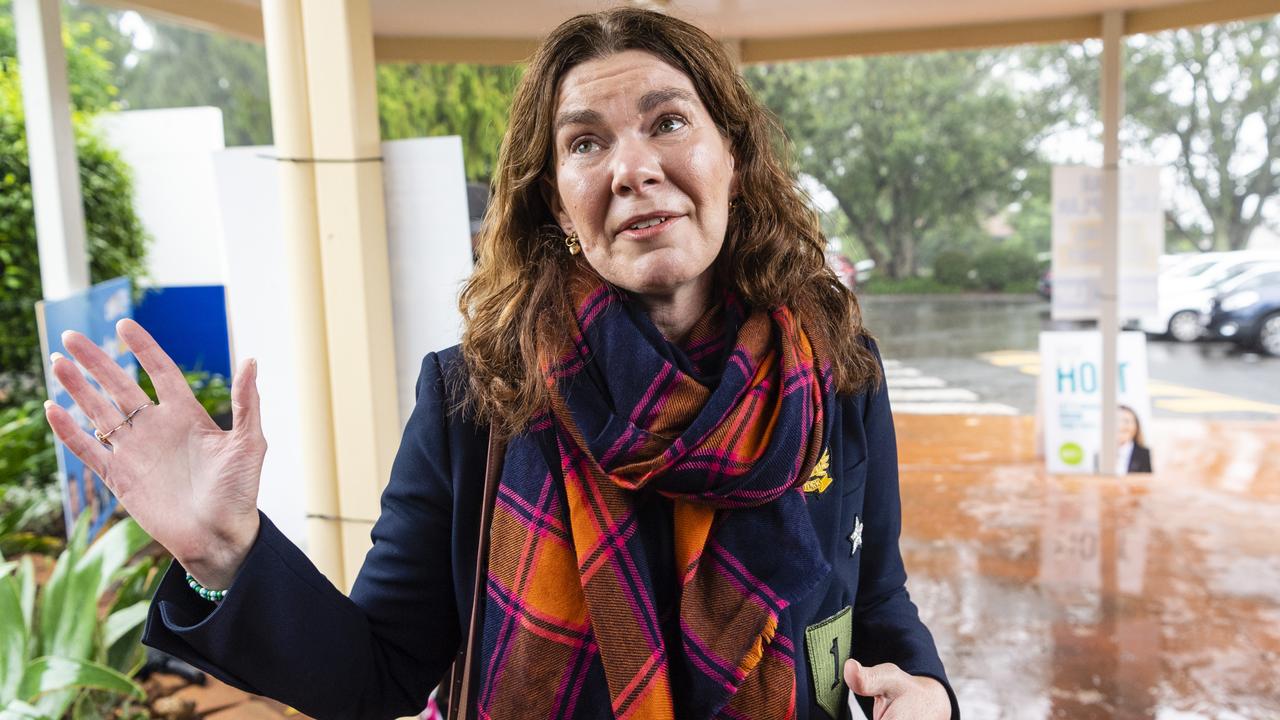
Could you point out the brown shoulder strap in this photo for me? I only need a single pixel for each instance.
(460, 677)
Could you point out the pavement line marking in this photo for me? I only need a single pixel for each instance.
(933, 395)
(1165, 395)
(951, 408)
(901, 372)
(1006, 358)
(917, 382)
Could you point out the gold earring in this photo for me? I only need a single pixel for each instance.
(572, 243)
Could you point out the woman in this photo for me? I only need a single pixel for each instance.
(1132, 454)
(697, 512)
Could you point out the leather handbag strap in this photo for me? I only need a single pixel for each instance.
(460, 681)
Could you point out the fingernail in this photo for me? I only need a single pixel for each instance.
(55, 357)
(48, 404)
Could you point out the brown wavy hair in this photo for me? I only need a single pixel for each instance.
(515, 308)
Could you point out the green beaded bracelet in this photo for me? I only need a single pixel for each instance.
(204, 592)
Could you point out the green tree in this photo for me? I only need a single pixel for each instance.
(908, 145)
(190, 68)
(468, 100)
(1212, 95)
(92, 55)
(116, 242)
(184, 68)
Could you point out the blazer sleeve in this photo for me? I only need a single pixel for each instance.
(886, 624)
(286, 632)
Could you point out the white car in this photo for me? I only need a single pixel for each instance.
(1183, 291)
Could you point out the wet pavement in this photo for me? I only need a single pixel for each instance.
(1088, 597)
(952, 338)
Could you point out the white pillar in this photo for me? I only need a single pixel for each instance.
(347, 157)
(1108, 306)
(51, 147)
(291, 130)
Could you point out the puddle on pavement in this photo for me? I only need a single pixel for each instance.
(1092, 597)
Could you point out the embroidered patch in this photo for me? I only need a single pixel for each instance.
(829, 644)
(820, 479)
(855, 537)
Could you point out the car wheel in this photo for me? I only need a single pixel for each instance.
(1269, 335)
(1184, 326)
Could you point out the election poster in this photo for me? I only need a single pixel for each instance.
(1071, 388)
(1078, 247)
(94, 313)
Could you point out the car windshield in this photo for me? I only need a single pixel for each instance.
(1223, 275)
(1271, 278)
(1194, 268)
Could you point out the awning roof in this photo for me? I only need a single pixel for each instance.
(503, 31)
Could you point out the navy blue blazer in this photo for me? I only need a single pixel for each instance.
(284, 631)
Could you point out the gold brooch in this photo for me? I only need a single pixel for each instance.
(820, 479)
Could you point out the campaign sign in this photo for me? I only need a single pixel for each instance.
(93, 312)
(1078, 243)
(1071, 385)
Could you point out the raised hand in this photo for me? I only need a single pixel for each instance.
(191, 485)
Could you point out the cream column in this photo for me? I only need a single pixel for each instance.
(51, 148)
(346, 158)
(291, 129)
(1108, 306)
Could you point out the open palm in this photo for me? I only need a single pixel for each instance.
(191, 485)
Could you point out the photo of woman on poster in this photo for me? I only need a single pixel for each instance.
(1132, 454)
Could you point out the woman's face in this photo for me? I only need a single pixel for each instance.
(1126, 427)
(642, 174)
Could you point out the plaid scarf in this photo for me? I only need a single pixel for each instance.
(583, 619)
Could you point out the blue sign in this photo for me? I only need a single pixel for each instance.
(93, 312)
(190, 323)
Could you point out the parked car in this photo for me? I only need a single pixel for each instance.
(1181, 297)
(864, 268)
(843, 268)
(1248, 312)
(1044, 285)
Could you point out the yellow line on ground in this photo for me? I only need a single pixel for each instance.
(1166, 395)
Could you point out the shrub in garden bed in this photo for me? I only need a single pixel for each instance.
(71, 645)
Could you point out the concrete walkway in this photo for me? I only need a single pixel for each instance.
(1086, 597)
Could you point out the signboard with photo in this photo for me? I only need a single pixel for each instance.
(1071, 386)
(94, 313)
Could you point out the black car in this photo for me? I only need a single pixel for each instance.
(1249, 315)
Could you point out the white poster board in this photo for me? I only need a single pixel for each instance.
(1077, 241)
(1071, 386)
(259, 318)
(174, 192)
(429, 249)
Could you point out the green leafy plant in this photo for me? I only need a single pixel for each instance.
(26, 445)
(1001, 268)
(953, 268)
(116, 241)
(211, 390)
(57, 653)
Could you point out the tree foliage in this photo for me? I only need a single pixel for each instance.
(116, 242)
(908, 145)
(467, 100)
(189, 68)
(1212, 94)
(92, 59)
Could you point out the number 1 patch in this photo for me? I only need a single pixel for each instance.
(829, 645)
